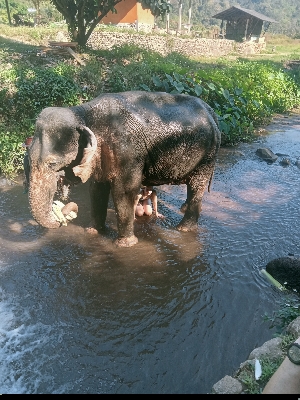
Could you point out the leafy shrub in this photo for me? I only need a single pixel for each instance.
(12, 153)
(243, 95)
(288, 310)
(40, 88)
(234, 121)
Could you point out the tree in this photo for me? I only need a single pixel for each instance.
(82, 16)
(37, 5)
(8, 13)
(179, 16)
(190, 16)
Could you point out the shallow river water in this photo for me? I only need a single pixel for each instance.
(173, 314)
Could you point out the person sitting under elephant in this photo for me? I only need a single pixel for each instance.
(145, 200)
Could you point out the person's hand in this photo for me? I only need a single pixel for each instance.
(158, 215)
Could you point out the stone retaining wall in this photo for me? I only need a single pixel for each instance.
(164, 45)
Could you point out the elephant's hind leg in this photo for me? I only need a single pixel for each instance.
(195, 190)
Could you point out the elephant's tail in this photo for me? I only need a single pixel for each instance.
(210, 181)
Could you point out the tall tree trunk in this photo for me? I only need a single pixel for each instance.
(168, 21)
(179, 16)
(8, 13)
(190, 16)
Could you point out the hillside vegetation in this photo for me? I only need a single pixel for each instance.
(245, 93)
(285, 12)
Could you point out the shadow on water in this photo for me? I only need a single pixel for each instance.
(173, 314)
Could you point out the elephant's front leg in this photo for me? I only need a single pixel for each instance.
(195, 190)
(99, 195)
(124, 206)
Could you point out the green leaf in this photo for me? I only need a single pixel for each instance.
(156, 80)
(224, 127)
(225, 93)
(198, 90)
(145, 87)
(238, 91)
(170, 79)
(211, 86)
(179, 86)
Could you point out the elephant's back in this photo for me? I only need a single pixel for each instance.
(171, 134)
(169, 107)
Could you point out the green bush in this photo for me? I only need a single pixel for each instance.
(243, 94)
(288, 310)
(12, 153)
(235, 123)
(37, 89)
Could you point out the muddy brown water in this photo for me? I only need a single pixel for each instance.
(173, 314)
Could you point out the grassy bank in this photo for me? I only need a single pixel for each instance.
(245, 93)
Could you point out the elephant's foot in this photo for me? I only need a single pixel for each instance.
(126, 241)
(94, 228)
(91, 230)
(183, 208)
(187, 226)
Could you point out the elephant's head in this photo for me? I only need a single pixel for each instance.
(61, 142)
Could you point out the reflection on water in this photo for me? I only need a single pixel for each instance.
(173, 314)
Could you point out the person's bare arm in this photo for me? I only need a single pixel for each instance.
(136, 200)
(286, 380)
(154, 202)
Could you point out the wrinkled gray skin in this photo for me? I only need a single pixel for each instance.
(63, 186)
(122, 141)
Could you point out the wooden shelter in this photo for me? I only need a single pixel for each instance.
(129, 12)
(242, 24)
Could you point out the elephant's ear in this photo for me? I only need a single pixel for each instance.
(85, 168)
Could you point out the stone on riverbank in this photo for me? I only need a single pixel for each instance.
(271, 349)
(294, 327)
(232, 385)
(227, 385)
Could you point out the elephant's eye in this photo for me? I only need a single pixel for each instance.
(53, 164)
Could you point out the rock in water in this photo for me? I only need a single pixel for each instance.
(266, 154)
(286, 270)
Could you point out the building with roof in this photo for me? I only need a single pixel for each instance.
(242, 24)
(130, 13)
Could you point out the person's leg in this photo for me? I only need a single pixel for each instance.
(147, 207)
(154, 202)
(139, 210)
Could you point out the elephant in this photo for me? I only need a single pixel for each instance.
(122, 141)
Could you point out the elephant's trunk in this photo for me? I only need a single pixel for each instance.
(42, 188)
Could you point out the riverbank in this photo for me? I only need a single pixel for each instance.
(270, 354)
